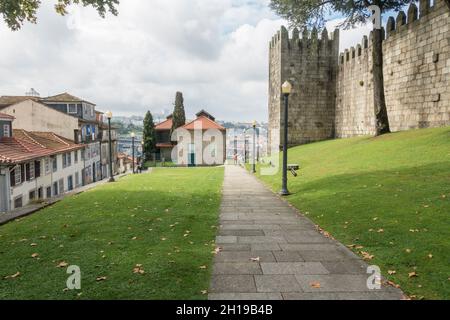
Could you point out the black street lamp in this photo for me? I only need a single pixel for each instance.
(111, 174)
(286, 89)
(254, 147)
(133, 136)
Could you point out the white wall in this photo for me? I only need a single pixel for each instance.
(47, 179)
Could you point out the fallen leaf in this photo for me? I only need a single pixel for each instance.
(413, 274)
(391, 272)
(100, 279)
(408, 250)
(33, 244)
(204, 292)
(163, 239)
(430, 256)
(257, 259)
(380, 231)
(367, 256)
(315, 285)
(217, 250)
(35, 255)
(62, 264)
(15, 275)
(203, 267)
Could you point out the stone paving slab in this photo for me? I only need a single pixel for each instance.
(268, 251)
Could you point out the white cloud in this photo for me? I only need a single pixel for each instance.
(214, 51)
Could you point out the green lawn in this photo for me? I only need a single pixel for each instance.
(388, 196)
(165, 221)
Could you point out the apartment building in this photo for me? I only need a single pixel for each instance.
(35, 166)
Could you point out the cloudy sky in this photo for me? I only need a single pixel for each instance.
(214, 51)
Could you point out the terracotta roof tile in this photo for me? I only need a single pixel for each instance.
(4, 116)
(27, 146)
(64, 97)
(205, 123)
(165, 125)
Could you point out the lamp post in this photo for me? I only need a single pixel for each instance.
(286, 89)
(254, 147)
(111, 174)
(133, 136)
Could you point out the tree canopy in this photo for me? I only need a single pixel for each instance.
(16, 12)
(179, 115)
(314, 13)
(149, 136)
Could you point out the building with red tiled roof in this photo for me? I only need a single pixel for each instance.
(36, 165)
(211, 151)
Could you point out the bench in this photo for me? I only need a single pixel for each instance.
(293, 168)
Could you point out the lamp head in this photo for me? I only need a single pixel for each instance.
(133, 135)
(109, 114)
(286, 88)
(254, 124)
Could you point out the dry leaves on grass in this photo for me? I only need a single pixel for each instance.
(391, 272)
(366, 255)
(35, 255)
(203, 267)
(99, 279)
(430, 256)
(62, 264)
(138, 269)
(408, 250)
(413, 274)
(204, 292)
(217, 250)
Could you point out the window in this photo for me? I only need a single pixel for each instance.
(49, 192)
(18, 175)
(70, 183)
(69, 159)
(72, 108)
(47, 165)
(40, 193)
(55, 188)
(32, 195)
(61, 186)
(6, 130)
(29, 169)
(64, 160)
(76, 156)
(77, 179)
(55, 164)
(18, 202)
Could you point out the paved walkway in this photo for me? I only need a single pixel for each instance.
(270, 251)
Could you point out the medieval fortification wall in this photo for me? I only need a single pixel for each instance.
(333, 93)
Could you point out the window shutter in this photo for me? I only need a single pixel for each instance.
(22, 178)
(12, 177)
(37, 169)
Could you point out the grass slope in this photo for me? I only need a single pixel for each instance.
(164, 221)
(390, 195)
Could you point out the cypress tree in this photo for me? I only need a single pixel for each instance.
(149, 136)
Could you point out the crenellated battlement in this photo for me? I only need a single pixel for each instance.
(395, 26)
(305, 39)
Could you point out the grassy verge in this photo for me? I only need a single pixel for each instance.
(387, 196)
(147, 236)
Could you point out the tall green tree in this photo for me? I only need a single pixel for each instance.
(149, 136)
(313, 13)
(179, 115)
(16, 12)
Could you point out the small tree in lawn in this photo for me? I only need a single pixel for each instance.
(16, 12)
(312, 13)
(179, 115)
(149, 137)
